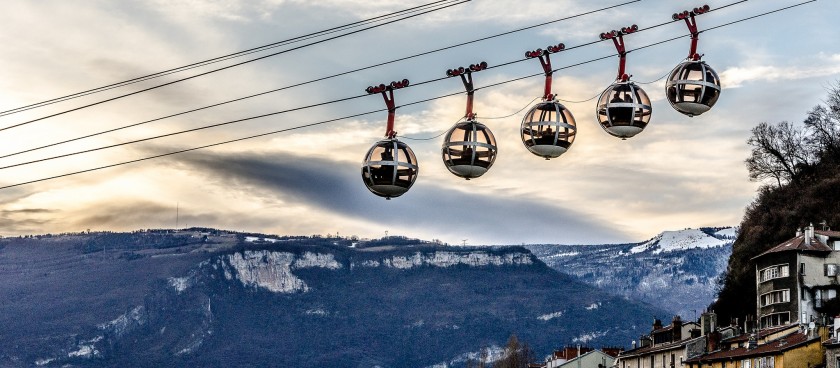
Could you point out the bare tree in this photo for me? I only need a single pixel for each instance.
(516, 355)
(779, 152)
(823, 123)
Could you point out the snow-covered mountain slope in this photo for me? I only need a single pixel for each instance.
(669, 241)
(676, 270)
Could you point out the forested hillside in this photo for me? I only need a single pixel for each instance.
(801, 165)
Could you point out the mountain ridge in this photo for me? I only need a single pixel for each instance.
(212, 298)
(680, 270)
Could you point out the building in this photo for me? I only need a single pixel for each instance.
(795, 349)
(797, 280)
(832, 346)
(590, 358)
(669, 346)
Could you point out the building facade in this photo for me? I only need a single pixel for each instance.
(797, 280)
(668, 346)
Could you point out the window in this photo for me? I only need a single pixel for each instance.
(802, 269)
(765, 362)
(830, 269)
(774, 272)
(745, 363)
(775, 297)
(775, 319)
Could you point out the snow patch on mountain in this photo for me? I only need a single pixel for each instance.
(123, 323)
(179, 283)
(669, 241)
(728, 233)
(587, 337)
(550, 316)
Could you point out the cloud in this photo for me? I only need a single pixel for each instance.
(737, 76)
(337, 188)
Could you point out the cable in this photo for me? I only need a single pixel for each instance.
(231, 66)
(355, 115)
(516, 113)
(215, 59)
(180, 132)
(329, 77)
(340, 100)
(430, 138)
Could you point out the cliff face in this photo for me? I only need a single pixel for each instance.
(323, 303)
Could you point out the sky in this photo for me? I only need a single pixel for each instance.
(680, 172)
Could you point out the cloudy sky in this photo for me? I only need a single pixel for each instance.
(680, 172)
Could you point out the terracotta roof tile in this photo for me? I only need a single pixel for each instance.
(798, 243)
(761, 333)
(782, 344)
(828, 233)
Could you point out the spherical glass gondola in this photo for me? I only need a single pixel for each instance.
(623, 110)
(469, 149)
(389, 168)
(548, 129)
(693, 87)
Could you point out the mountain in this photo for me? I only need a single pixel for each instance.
(676, 270)
(205, 297)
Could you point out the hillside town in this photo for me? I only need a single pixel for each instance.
(796, 322)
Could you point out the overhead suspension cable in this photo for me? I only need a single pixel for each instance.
(344, 73)
(365, 113)
(220, 58)
(234, 65)
(355, 97)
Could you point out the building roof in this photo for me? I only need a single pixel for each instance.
(655, 348)
(761, 333)
(828, 233)
(798, 244)
(779, 345)
(574, 360)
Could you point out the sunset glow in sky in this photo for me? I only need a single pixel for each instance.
(680, 172)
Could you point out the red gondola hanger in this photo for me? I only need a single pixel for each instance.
(623, 109)
(387, 92)
(548, 129)
(693, 87)
(390, 166)
(469, 147)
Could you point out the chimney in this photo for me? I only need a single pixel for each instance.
(798, 232)
(713, 341)
(657, 323)
(634, 344)
(809, 233)
(708, 322)
(676, 331)
(752, 343)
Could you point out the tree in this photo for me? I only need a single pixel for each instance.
(516, 355)
(823, 123)
(779, 152)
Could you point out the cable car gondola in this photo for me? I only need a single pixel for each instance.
(693, 87)
(390, 166)
(623, 109)
(548, 129)
(469, 147)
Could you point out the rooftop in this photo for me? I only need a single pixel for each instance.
(761, 333)
(781, 344)
(655, 348)
(799, 244)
